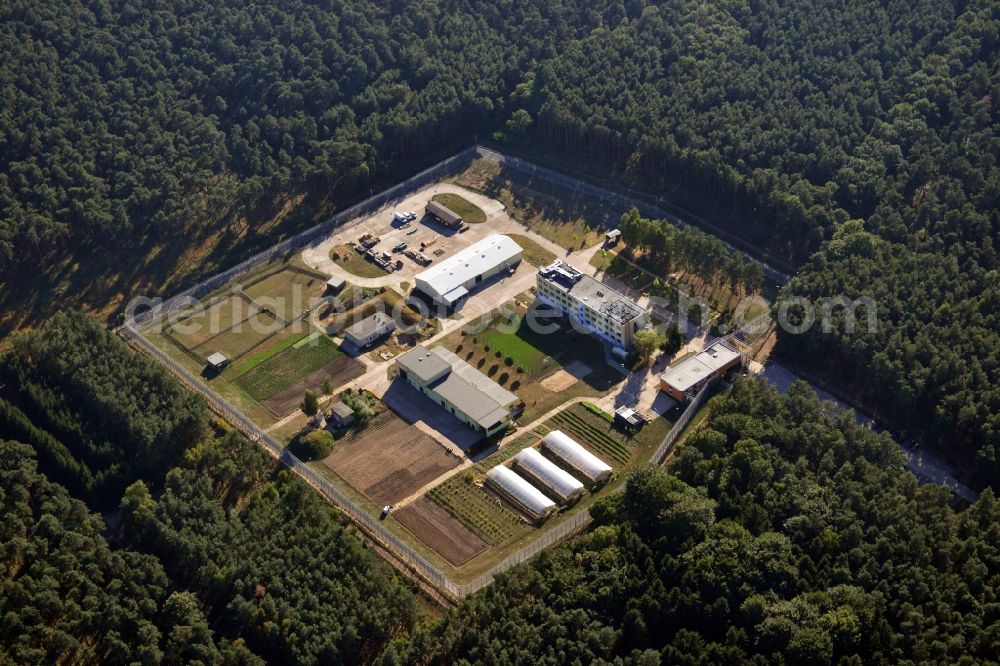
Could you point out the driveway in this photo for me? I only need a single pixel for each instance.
(924, 465)
(416, 408)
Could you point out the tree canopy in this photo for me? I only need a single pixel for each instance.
(781, 532)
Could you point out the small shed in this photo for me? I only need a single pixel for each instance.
(217, 361)
(370, 329)
(335, 284)
(341, 414)
(628, 418)
(612, 237)
(444, 215)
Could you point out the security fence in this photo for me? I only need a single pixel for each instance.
(416, 565)
(635, 199)
(367, 207)
(573, 184)
(661, 452)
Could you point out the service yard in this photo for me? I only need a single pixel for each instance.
(415, 455)
(436, 241)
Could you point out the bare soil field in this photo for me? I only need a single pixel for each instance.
(339, 371)
(560, 380)
(392, 462)
(441, 531)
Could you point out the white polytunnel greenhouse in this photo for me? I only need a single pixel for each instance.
(575, 456)
(558, 482)
(517, 489)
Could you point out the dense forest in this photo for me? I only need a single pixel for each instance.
(143, 144)
(216, 554)
(782, 532)
(931, 365)
(171, 128)
(68, 596)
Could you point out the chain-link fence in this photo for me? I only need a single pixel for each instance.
(396, 193)
(416, 564)
(661, 452)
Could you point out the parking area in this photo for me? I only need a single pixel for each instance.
(401, 242)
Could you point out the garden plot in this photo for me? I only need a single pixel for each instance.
(480, 512)
(441, 531)
(391, 463)
(287, 293)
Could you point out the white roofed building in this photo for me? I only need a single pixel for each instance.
(453, 279)
(516, 489)
(573, 455)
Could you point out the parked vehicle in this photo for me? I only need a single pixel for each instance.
(399, 247)
(412, 231)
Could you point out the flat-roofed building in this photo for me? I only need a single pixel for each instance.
(597, 307)
(444, 215)
(448, 282)
(684, 380)
(369, 329)
(335, 283)
(471, 396)
(217, 361)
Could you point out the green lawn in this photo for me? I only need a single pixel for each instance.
(348, 258)
(470, 212)
(287, 367)
(534, 254)
(516, 345)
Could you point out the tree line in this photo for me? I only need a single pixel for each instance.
(685, 248)
(211, 553)
(781, 532)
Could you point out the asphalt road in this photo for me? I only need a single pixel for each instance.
(927, 467)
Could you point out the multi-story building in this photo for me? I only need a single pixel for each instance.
(595, 306)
